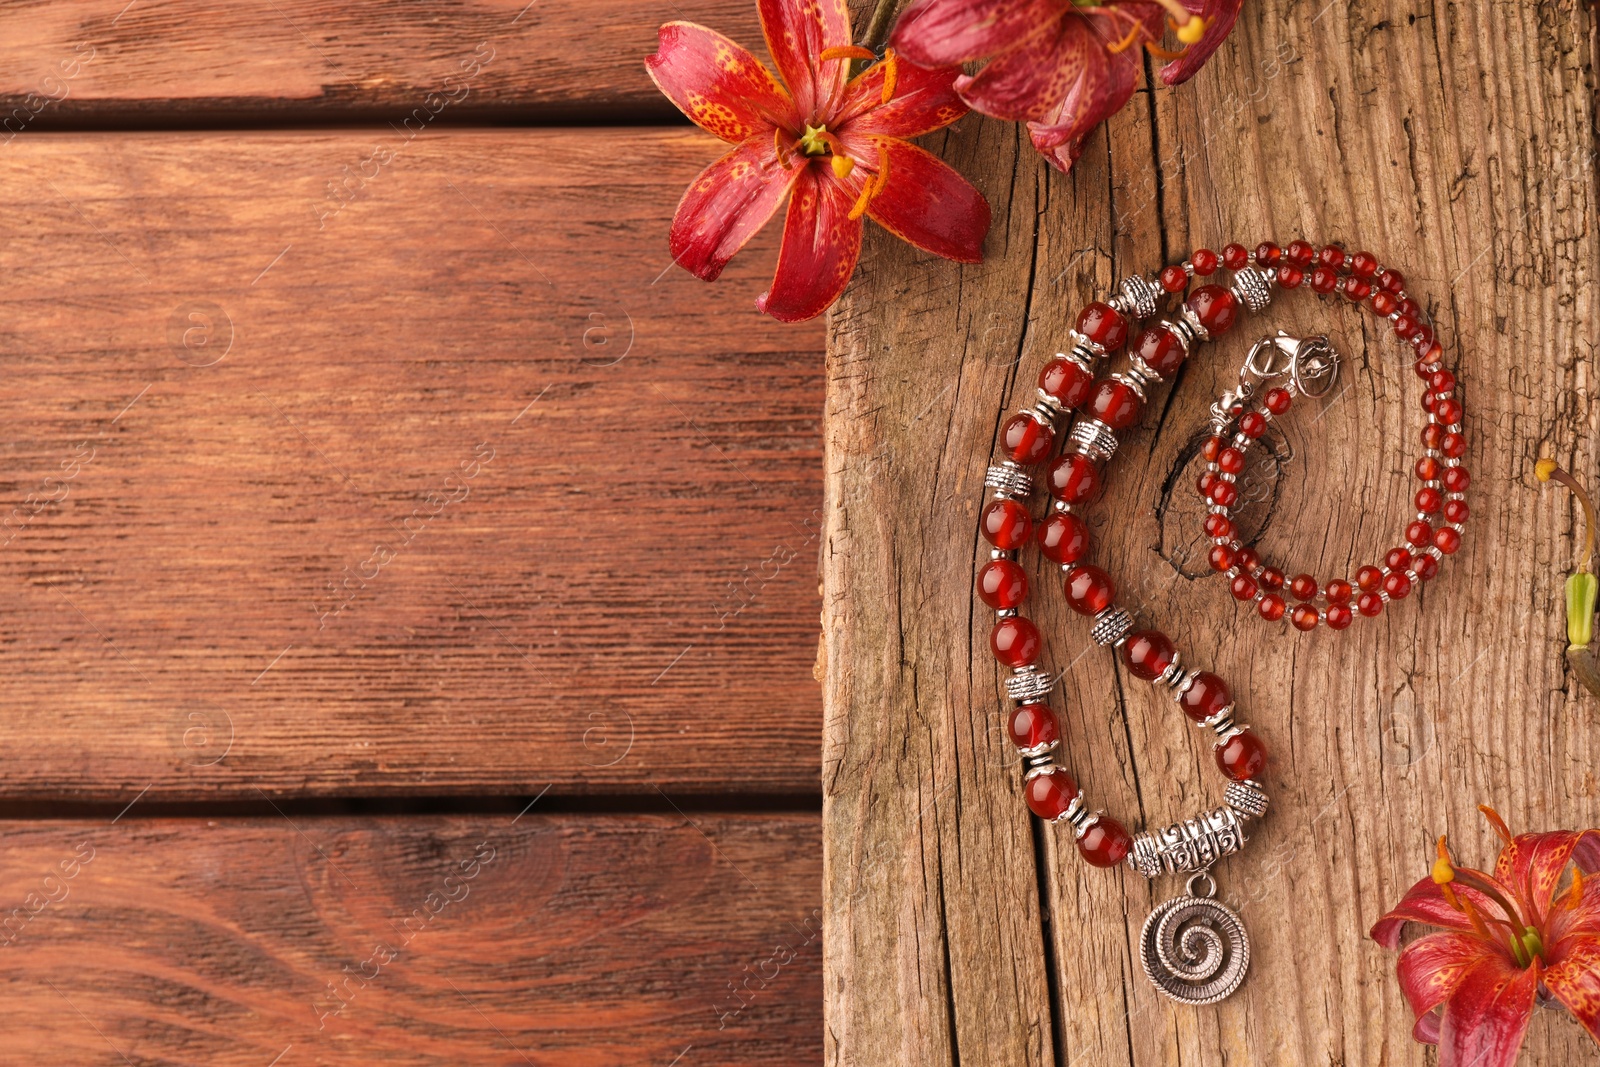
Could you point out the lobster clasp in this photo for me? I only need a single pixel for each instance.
(1310, 363)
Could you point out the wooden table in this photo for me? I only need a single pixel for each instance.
(1456, 141)
(411, 575)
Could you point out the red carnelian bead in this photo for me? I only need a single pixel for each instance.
(1063, 537)
(1410, 309)
(1403, 326)
(1006, 524)
(1425, 567)
(1243, 587)
(1398, 559)
(1160, 349)
(1271, 577)
(1089, 590)
(1430, 358)
(1074, 478)
(1392, 280)
(1252, 424)
(1304, 617)
(1002, 584)
(1290, 277)
(1324, 279)
(1277, 400)
(1428, 500)
(1397, 585)
(1242, 756)
(1300, 253)
(1205, 482)
(1452, 445)
(1356, 290)
(1383, 303)
(1066, 381)
(1432, 435)
(1224, 493)
(1026, 439)
(1456, 479)
(1441, 381)
(1206, 696)
(1235, 256)
(1446, 540)
(1174, 279)
(1338, 616)
(1331, 256)
(1105, 843)
(1231, 460)
(1048, 795)
(1204, 261)
(1268, 254)
(1211, 449)
(1014, 641)
(1370, 605)
(1217, 526)
(1429, 402)
(1033, 725)
(1103, 324)
(1215, 307)
(1270, 607)
(1364, 264)
(1147, 654)
(1448, 411)
(1419, 533)
(1249, 559)
(1115, 404)
(1304, 587)
(1368, 579)
(1428, 469)
(1220, 557)
(1338, 591)
(1455, 511)
(1422, 340)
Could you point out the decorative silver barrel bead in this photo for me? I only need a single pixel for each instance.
(1247, 799)
(1094, 439)
(1136, 296)
(1252, 288)
(1009, 480)
(1029, 684)
(1192, 845)
(1111, 626)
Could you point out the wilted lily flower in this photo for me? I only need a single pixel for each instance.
(1508, 941)
(1582, 585)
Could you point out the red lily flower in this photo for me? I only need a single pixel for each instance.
(1509, 938)
(1061, 66)
(834, 145)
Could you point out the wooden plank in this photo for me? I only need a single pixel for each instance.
(457, 487)
(164, 63)
(1454, 142)
(466, 940)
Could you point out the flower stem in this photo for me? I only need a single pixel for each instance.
(878, 27)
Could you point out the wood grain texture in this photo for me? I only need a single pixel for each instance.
(463, 940)
(1454, 141)
(163, 63)
(456, 486)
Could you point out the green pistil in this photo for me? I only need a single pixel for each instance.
(814, 141)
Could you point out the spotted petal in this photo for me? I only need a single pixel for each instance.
(797, 33)
(1220, 16)
(1573, 976)
(1487, 1015)
(820, 246)
(1532, 864)
(725, 206)
(721, 87)
(928, 204)
(923, 101)
(1028, 82)
(1425, 903)
(1430, 969)
(937, 33)
(1099, 89)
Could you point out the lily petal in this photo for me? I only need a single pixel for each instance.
(723, 88)
(1220, 16)
(1570, 916)
(1028, 82)
(1099, 90)
(927, 203)
(725, 206)
(938, 33)
(924, 100)
(1425, 903)
(820, 246)
(1431, 968)
(1487, 1016)
(797, 32)
(1532, 864)
(1574, 977)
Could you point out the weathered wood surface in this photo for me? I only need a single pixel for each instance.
(1456, 142)
(455, 487)
(165, 63)
(497, 940)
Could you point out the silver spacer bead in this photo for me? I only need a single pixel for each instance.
(1234, 730)
(1009, 480)
(1133, 380)
(1136, 296)
(1038, 766)
(1080, 343)
(1192, 320)
(1038, 750)
(1138, 366)
(1029, 684)
(1094, 439)
(1221, 721)
(1078, 815)
(1181, 330)
(1182, 684)
(1111, 626)
(1246, 798)
(1252, 288)
(1173, 673)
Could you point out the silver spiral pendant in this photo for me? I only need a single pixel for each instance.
(1194, 948)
